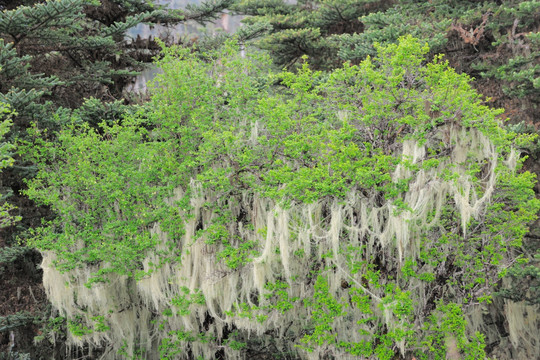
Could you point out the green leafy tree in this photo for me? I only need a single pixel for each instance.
(61, 55)
(368, 212)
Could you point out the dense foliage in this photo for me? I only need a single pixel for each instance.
(6, 160)
(495, 40)
(61, 55)
(300, 207)
(367, 212)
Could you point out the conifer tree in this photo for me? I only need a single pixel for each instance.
(82, 43)
(307, 27)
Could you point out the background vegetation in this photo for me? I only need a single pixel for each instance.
(119, 184)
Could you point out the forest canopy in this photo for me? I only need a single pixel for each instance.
(368, 211)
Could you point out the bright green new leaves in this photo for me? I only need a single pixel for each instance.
(446, 329)
(5, 147)
(108, 190)
(6, 160)
(325, 309)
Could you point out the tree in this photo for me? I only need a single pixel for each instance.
(307, 27)
(369, 211)
(71, 50)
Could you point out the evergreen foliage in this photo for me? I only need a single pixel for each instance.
(307, 27)
(81, 44)
(368, 212)
(518, 45)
